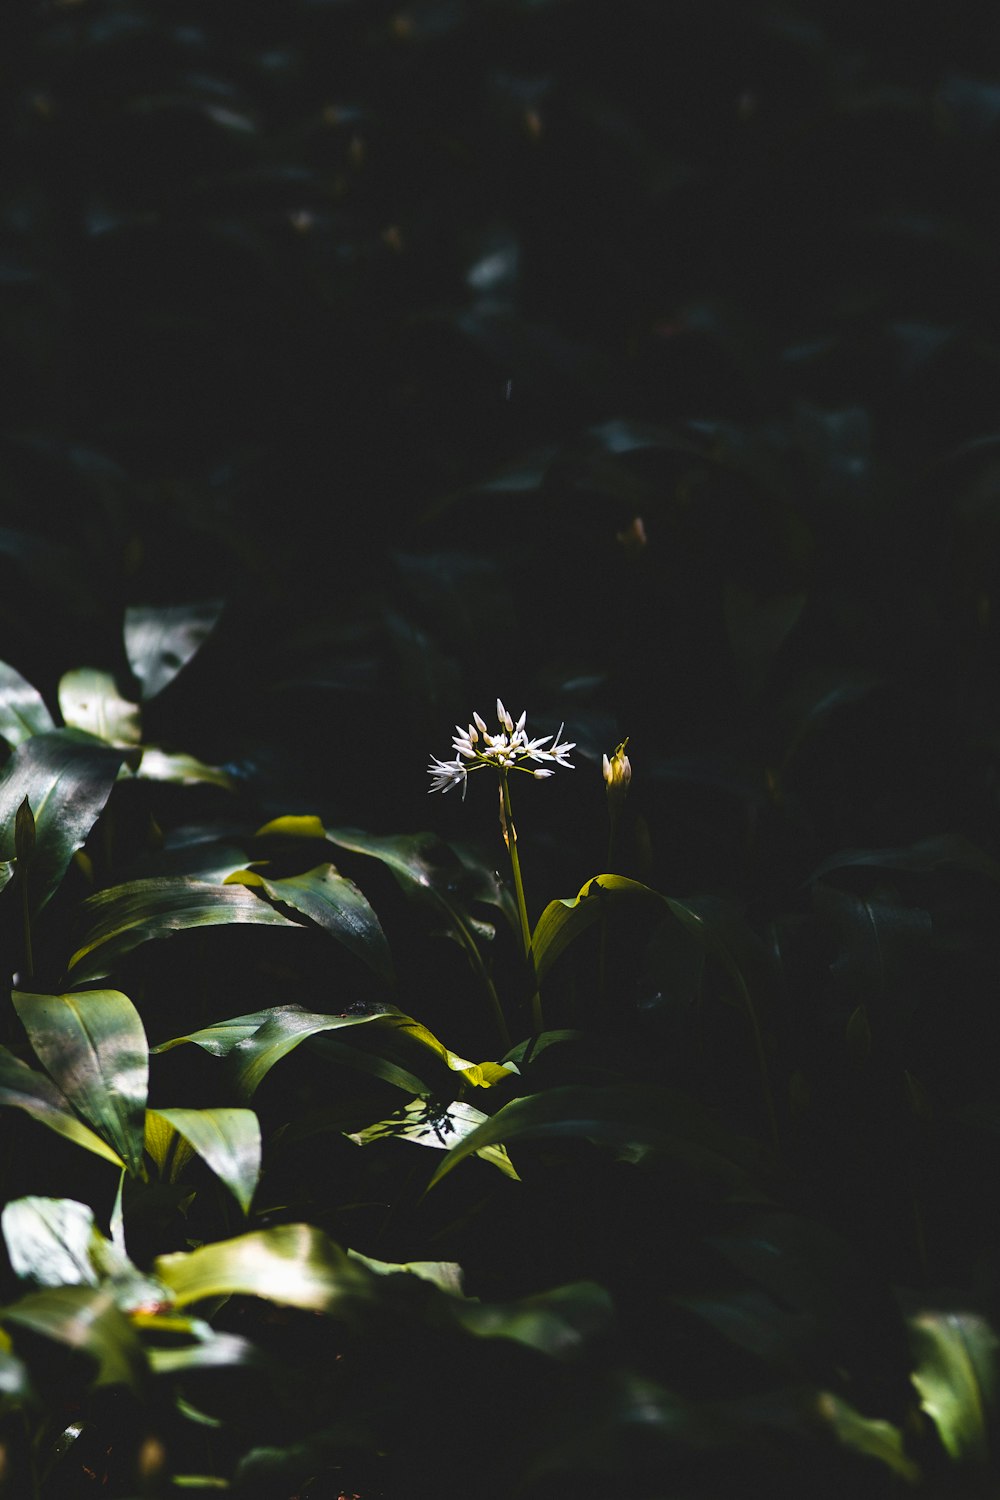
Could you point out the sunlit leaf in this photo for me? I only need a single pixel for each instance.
(94, 1046)
(564, 920)
(161, 639)
(227, 1140)
(86, 1319)
(334, 903)
(213, 1352)
(124, 916)
(67, 777)
(307, 826)
(442, 1126)
(956, 1376)
(25, 1088)
(658, 1120)
(89, 700)
(48, 1240)
(169, 1150)
(22, 708)
(867, 1435)
(185, 770)
(292, 1264)
(261, 1039)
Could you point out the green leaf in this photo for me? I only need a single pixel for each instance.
(334, 903)
(24, 834)
(307, 826)
(619, 1116)
(24, 1088)
(184, 770)
(161, 639)
(86, 1319)
(94, 1046)
(957, 1379)
(140, 911)
(209, 1351)
(430, 870)
(921, 857)
(558, 1323)
(89, 700)
(48, 1240)
(444, 1274)
(67, 778)
(22, 708)
(867, 1435)
(263, 1038)
(295, 1265)
(441, 1126)
(227, 1140)
(56, 1243)
(562, 921)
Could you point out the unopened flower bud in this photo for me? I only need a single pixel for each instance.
(617, 775)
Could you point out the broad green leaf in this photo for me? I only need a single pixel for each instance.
(161, 639)
(440, 1126)
(956, 1376)
(921, 857)
(89, 700)
(24, 834)
(169, 1150)
(334, 903)
(227, 1140)
(24, 1088)
(185, 770)
(218, 1351)
(558, 1323)
(292, 826)
(409, 1031)
(86, 1319)
(48, 1240)
(56, 1243)
(292, 1264)
(716, 925)
(445, 1274)
(67, 778)
(619, 1116)
(263, 1038)
(867, 1435)
(22, 708)
(429, 869)
(94, 1046)
(124, 916)
(562, 921)
(259, 1040)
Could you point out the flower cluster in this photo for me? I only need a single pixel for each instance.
(507, 750)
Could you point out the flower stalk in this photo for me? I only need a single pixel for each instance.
(507, 750)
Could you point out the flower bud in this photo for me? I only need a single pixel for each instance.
(617, 775)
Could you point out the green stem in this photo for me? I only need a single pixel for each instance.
(602, 953)
(29, 958)
(476, 959)
(510, 834)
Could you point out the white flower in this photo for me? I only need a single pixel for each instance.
(506, 750)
